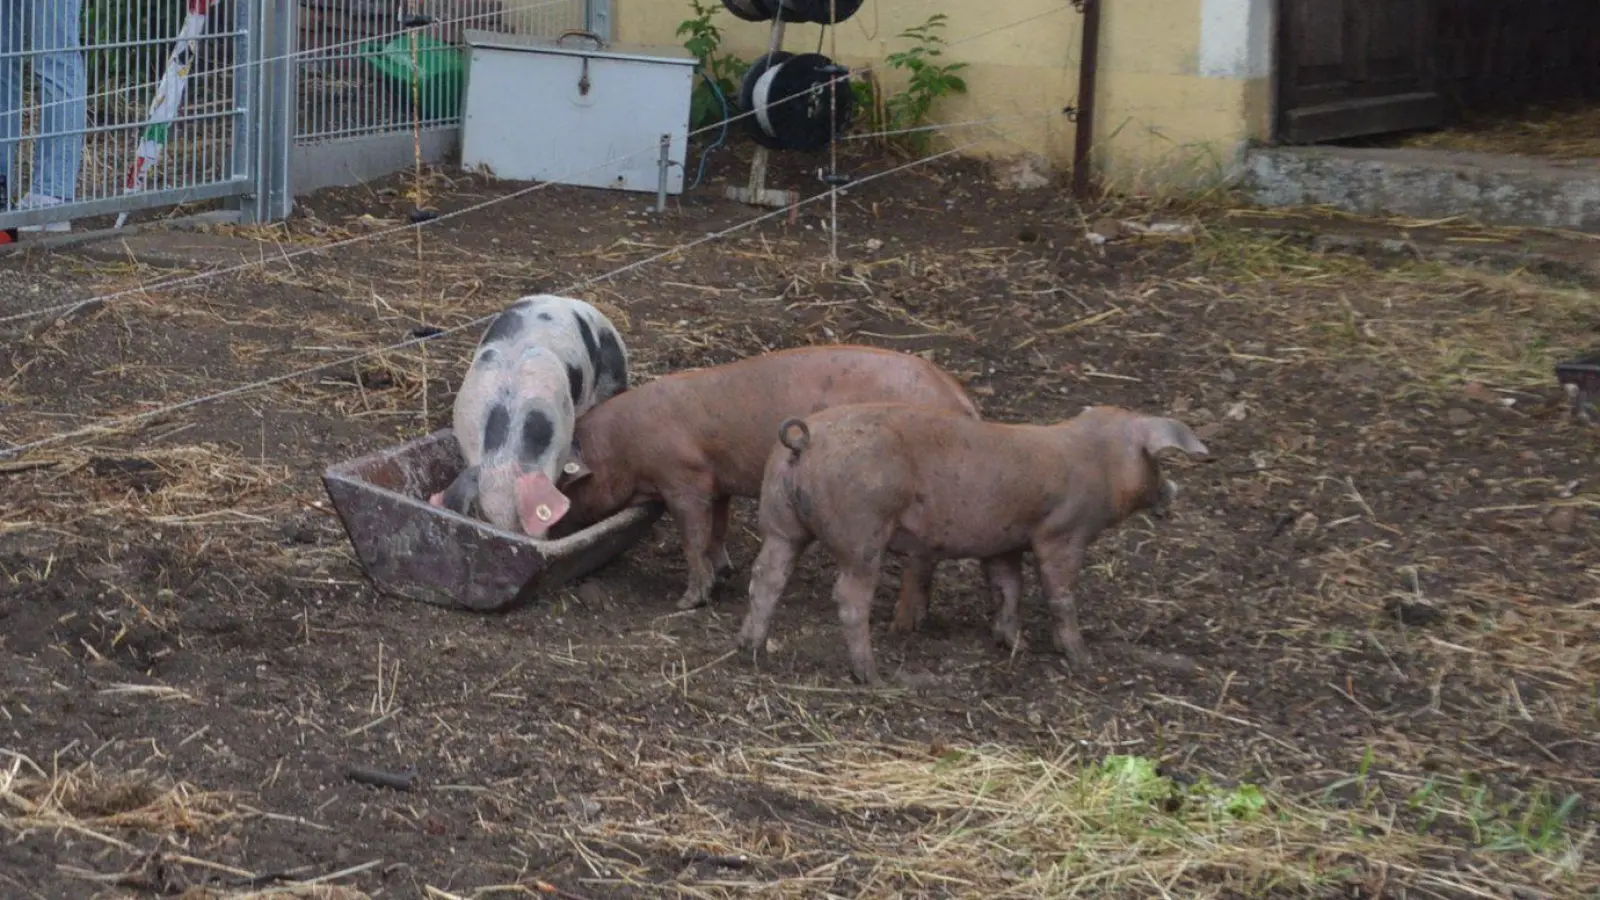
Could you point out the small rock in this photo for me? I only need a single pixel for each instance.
(1458, 417)
(1528, 456)
(1413, 614)
(1228, 376)
(1025, 173)
(1562, 520)
(1203, 415)
(1209, 430)
(1511, 619)
(1238, 411)
(1422, 452)
(583, 808)
(592, 594)
(1477, 392)
(1305, 524)
(1171, 663)
(1106, 228)
(916, 680)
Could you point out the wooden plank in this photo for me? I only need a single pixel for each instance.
(1360, 117)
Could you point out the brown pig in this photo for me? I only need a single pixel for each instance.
(878, 477)
(695, 439)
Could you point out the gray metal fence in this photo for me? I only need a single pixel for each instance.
(367, 83)
(116, 106)
(112, 106)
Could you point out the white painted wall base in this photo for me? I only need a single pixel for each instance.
(1236, 38)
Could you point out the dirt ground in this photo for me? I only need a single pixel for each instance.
(1377, 609)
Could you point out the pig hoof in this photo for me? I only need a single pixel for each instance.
(869, 680)
(1008, 636)
(754, 647)
(693, 600)
(904, 625)
(1077, 654)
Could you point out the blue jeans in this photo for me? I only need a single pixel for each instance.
(51, 31)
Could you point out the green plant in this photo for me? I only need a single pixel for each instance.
(723, 69)
(930, 81)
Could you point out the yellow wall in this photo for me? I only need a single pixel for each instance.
(1158, 123)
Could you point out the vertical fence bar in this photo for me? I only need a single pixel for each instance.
(247, 122)
(276, 117)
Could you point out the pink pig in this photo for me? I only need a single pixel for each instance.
(876, 477)
(697, 438)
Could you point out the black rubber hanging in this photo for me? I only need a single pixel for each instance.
(816, 11)
(813, 11)
(789, 97)
(751, 10)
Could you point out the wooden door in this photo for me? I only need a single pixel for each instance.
(1348, 68)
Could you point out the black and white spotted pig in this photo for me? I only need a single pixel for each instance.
(543, 362)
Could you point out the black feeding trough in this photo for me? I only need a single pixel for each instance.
(791, 98)
(816, 11)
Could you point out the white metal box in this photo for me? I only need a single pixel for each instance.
(572, 111)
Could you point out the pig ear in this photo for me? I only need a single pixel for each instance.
(1165, 434)
(540, 505)
(574, 471)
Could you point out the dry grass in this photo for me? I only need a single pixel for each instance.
(994, 821)
(187, 485)
(1554, 133)
(123, 811)
(1446, 325)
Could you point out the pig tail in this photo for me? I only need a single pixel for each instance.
(796, 445)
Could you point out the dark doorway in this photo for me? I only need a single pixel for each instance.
(1366, 68)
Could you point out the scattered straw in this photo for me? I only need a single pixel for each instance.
(1558, 133)
(991, 821)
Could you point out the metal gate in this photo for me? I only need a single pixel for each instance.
(366, 83)
(110, 107)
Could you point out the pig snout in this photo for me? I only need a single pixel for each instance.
(1166, 492)
(540, 504)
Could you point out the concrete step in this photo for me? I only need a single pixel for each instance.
(1568, 257)
(1429, 184)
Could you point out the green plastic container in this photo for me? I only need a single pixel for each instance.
(443, 71)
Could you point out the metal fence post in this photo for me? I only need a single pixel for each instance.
(275, 110)
(247, 41)
(598, 18)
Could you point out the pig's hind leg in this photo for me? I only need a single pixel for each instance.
(693, 513)
(769, 574)
(723, 565)
(1004, 575)
(857, 582)
(916, 586)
